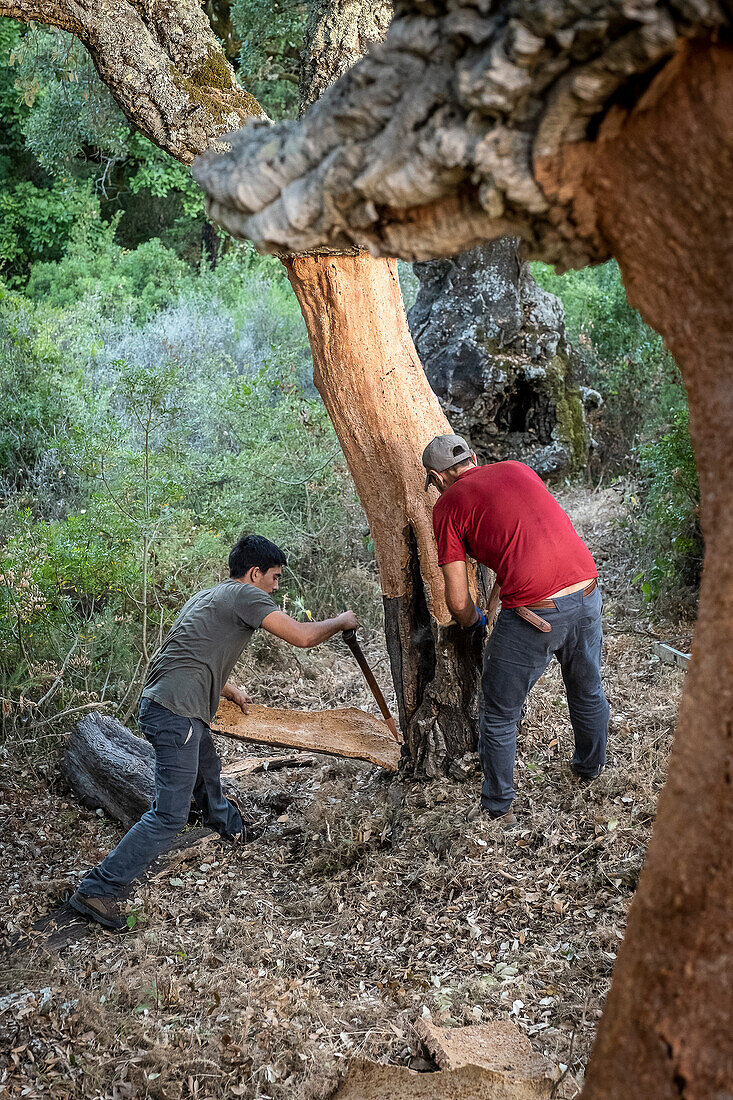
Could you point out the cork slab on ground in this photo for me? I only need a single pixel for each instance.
(493, 1061)
(345, 732)
(498, 1046)
(370, 1081)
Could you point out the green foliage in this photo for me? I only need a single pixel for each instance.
(72, 115)
(69, 151)
(670, 519)
(11, 108)
(624, 360)
(36, 222)
(155, 173)
(271, 33)
(36, 397)
(154, 437)
(138, 281)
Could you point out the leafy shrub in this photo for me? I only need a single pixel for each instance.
(36, 223)
(137, 282)
(38, 398)
(671, 538)
(157, 435)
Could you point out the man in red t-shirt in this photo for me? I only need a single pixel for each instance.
(503, 516)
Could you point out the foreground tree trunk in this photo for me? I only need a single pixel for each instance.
(366, 369)
(666, 1031)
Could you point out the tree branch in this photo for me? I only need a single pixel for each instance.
(162, 63)
(460, 126)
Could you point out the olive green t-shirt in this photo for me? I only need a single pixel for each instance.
(189, 670)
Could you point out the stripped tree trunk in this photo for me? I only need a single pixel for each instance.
(366, 369)
(368, 373)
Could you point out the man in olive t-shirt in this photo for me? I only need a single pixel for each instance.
(187, 677)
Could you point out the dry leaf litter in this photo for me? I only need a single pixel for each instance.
(367, 904)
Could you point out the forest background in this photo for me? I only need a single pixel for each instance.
(156, 394)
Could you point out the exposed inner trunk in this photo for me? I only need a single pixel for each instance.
(661, 180)
(366, 369)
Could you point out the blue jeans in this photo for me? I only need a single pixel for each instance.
(515, 657)
(186, 765)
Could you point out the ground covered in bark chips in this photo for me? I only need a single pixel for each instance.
(366, 903)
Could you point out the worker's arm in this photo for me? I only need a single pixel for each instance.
(457, 595)
(307, 635)
(236, 695)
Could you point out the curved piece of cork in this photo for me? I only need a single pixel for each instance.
(346, 732)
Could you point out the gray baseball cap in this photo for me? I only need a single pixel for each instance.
(444, 451)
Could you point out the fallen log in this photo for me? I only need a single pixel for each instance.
(345, 732)
(109, 768)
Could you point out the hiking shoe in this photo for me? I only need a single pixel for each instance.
(232, 839)
(506, 821)
(584, 777)
(105, 911)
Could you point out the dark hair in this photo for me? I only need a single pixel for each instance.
(254, 550)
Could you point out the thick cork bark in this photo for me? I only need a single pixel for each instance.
(367, 371)
(662, 184)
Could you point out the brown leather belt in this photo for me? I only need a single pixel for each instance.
(528, 613)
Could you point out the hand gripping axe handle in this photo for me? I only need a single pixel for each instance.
(350, 639)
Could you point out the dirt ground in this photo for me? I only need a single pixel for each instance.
(368, 901)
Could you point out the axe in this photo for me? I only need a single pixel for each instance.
(350, 639)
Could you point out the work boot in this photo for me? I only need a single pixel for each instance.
(586, 778)
(505, 821)
(105, 911)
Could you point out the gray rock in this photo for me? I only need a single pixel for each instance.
(495, 351)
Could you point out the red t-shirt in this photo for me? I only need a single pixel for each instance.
(503, 516)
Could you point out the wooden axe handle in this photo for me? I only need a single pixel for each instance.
(350, 639)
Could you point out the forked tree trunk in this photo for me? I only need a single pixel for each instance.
(368, 373)
(366, 369)
(666, 1031)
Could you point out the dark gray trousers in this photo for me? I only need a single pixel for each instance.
(515, 657)
(187, 766)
